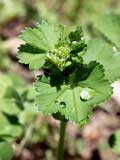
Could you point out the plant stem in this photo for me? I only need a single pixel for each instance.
(61, 140)
(25, 139)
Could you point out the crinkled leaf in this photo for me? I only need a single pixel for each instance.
(6, 151)
(39, 41)
(100, 51)
(32, 56)
(68, 102)
(44, 37)
(109, 25)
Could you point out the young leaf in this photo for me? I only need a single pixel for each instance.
(100, 51)
(74, 103)
(39, 41)
(109, 26)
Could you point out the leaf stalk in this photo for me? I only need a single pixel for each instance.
(61, 140)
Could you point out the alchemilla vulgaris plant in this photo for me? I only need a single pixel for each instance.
(75, 74)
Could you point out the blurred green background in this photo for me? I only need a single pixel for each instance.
(32, 136)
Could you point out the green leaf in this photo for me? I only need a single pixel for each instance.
(39, 41)
(77, 41)
(68, 101)
(32, 56)
(27, 117)
(9, 106)
(12, 94)
(76, 35)
(44, 37)
(31, 93)
(114, 142)
(9, 129)
(109, 26)
(6, 151)
(10, 81)
(5, 82)
(17, 80)
(91, 9)
(100, 51)
(11, 102)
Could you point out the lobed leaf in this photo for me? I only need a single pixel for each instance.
(68, 101)
(100, 51)
(39, 41)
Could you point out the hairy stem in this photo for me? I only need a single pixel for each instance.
(61, 140)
